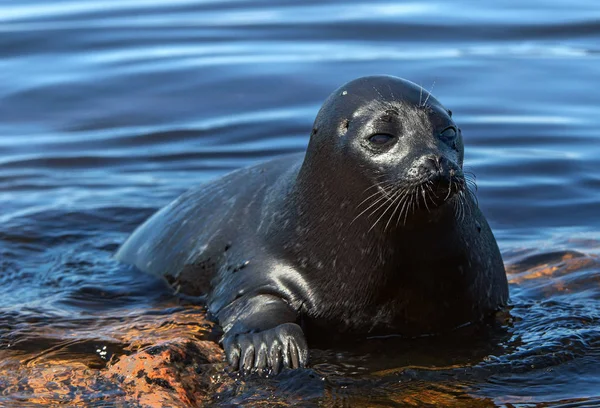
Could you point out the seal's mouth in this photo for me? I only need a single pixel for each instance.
(393, 204)
(438, 189)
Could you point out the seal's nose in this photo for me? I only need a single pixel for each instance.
(432, 165)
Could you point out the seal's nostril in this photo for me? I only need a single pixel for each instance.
(430, 165)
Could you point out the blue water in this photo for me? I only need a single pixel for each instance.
(110, 109)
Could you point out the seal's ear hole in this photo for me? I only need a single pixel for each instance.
(344, 126)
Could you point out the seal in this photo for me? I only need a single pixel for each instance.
(374, 231)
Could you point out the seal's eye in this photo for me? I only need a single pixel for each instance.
(449, 133)
(381, 139)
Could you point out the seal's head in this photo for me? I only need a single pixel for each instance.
(383, 134)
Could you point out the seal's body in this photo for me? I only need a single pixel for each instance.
(373, 231)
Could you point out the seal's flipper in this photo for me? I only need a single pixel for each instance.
(261, 334)
(270, 350)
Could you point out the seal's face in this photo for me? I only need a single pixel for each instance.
(413, 147)
(396, 140)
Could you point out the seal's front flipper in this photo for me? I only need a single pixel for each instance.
(261, 334)
(281, 347)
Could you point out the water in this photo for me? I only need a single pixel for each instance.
(110, 109)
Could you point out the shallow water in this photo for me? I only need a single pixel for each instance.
(110, 109)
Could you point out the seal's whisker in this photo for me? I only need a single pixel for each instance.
(470, 175)
(449, 192)
(468, 169)
(471, 182)
(409, 204)
(462, 206)
(429, 94)
(407, 210)
(380, 186)
(404, 209)
(473, 194)
(455, 205)
(465, 204)
(403, 198)
(401, 205)
(382, 203)
(382, 214)
(429, 184)
(399, 200)
(383, 197)
(415, 201)
(432, 193)
(379, 175)
(458, 208)
(473, 197)
(424, 198)
(376, 185)
(473, 185)
(405, 201)
(470, 185)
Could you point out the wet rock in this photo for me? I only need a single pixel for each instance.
(174, 373)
